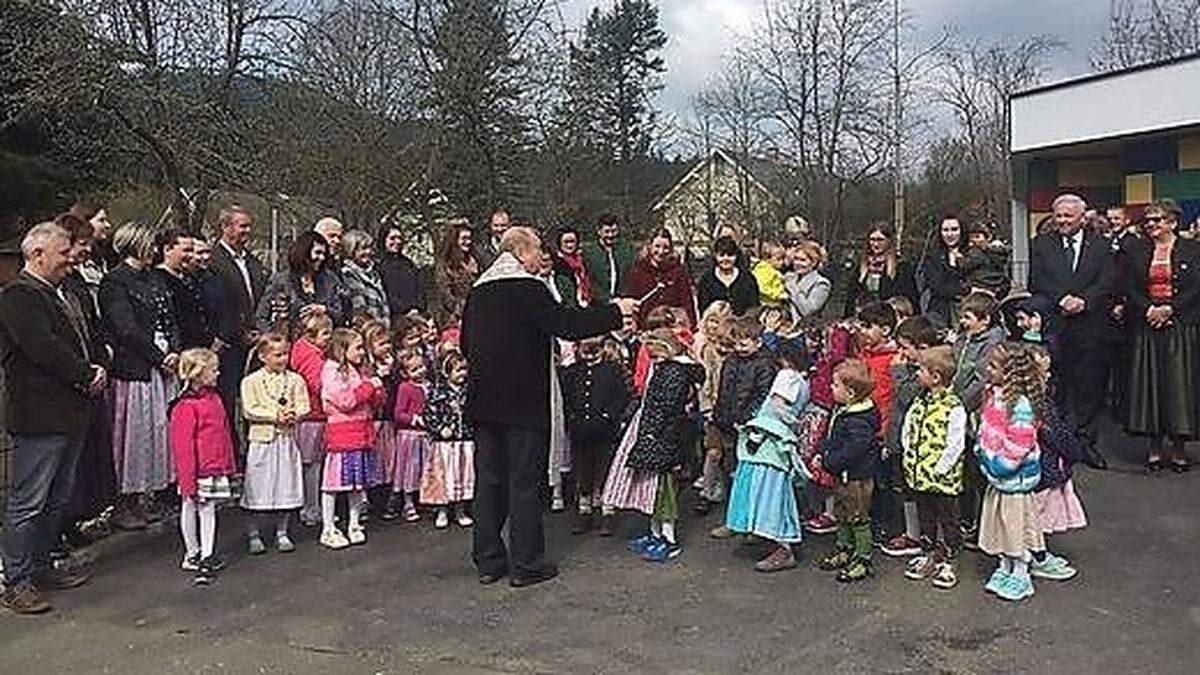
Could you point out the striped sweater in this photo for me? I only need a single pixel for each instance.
(1007, 448)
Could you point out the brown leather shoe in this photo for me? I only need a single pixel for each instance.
(25, 599)
(62, 579)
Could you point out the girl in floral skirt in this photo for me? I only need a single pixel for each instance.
(350, 392)
(449, 477)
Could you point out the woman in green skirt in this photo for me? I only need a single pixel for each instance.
(1163, 273)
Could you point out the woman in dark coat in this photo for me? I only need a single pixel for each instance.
(139, 324)
(880, 273)
(305, 283)
(942, 279)
(658, 269)
(725, 280)
(1163, 289)
(401, 278)
(571, 277)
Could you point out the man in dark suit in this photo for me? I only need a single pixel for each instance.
(488, 247)
(242, 279)
(1073, 269)
(54, 378)
(509, 321)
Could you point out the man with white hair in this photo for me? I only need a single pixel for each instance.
(508, 324)
(1073, 270)
(46, 357)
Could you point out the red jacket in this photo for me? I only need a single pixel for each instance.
(410, 402)
(200, 440)
(676, 292)
(307, 360)
(879, 361)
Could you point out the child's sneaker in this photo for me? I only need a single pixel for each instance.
(901, 546)
(857, 570)
(284, 543)
(1015, 588)
(639, 545)
(356, 535)
(1052, 567)
(208, 570)
(970, 536)
(944, 576)
(921, 567)
(411, 515)
(661, 551)
(334, 539)
(557, 505)
(821, 524)
(465, 521)
(721, 532)
(782, 558)
(836, 560)
(443, 520)
(191, 563)
(390, 513)
(998, 579)
(255, 546)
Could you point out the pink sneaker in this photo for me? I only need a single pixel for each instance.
(822, 524)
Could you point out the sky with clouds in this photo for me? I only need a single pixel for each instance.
(700, 31)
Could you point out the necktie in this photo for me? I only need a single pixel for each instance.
(1069, 251)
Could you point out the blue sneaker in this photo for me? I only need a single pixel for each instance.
(1016, 588)
(999, 580)
(661, 551)
(639, 545)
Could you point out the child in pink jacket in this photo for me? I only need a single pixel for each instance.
(350, 393)
(202, 448)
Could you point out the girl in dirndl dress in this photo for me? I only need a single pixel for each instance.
(138, 318)
(378, 340)
(349, 394)
(202, 448)
(308, 359)
(274, 399)
(412, 440)
(643, 474)
(449, 477)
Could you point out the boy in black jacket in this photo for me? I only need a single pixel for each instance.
(850, 452)
(595, 394)
(746, 377)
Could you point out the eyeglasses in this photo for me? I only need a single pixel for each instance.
(1155, 219)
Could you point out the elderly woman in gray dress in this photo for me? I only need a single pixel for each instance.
(363, 286)
(808, 290)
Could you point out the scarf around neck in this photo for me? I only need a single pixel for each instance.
(575, 262)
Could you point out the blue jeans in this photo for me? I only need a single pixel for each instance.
(43, 476)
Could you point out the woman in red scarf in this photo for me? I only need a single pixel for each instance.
(659, 279)
(570, 274)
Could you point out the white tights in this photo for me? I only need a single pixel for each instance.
(354, 500)
(207, 513)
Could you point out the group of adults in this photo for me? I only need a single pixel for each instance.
(1126, 298)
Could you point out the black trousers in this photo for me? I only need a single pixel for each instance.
(1084, 378)
(510, 472)
(233, 365)
(939, 512)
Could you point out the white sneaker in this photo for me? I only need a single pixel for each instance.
(557, 505)
(357, 535)
(190, 563)
(443, 520)
(334, 539)
(465, 521)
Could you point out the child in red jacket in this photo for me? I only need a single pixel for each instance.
(307, 359)
(349, 393)
(202, 448)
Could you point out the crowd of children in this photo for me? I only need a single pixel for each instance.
(878, 429)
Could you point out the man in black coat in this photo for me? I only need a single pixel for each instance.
(509, 321)
(242, 279)
(53, 378)
(1073, 269)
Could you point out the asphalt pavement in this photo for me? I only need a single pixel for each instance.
(409, 602)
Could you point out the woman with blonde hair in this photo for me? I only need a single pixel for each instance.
(807, 289)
